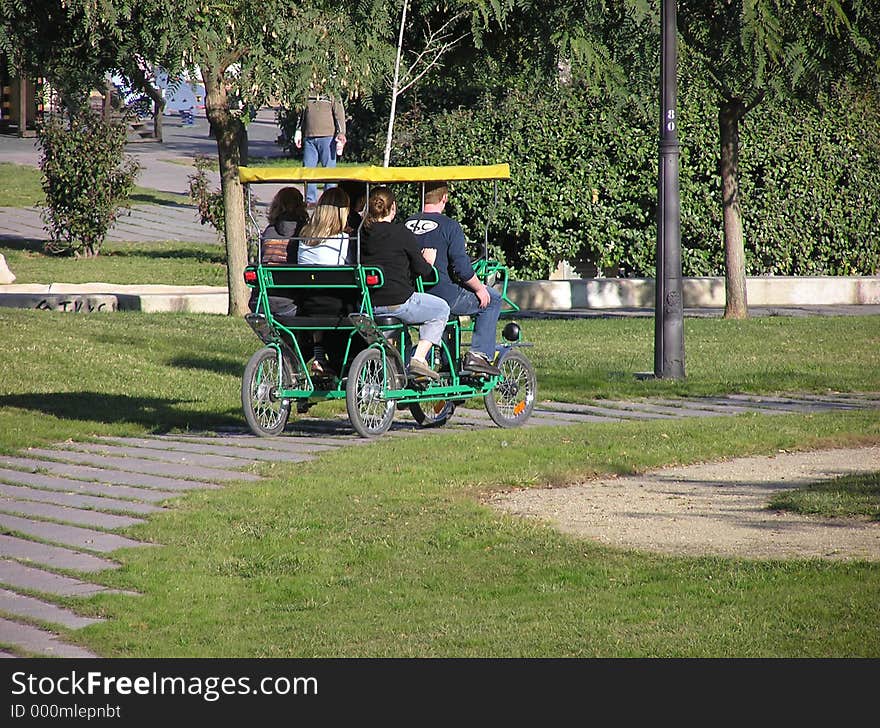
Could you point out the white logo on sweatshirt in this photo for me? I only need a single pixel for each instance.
(420, 227)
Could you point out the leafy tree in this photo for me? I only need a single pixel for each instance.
(245, 52)
(89, 39)
(249, 51)
(73, 60)
(74, 45)
(755, 49)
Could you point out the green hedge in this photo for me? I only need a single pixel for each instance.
(814, 190)
(584, 181)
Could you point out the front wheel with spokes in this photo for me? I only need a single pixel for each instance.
(511, 401)
(368, 376)
(265, 412)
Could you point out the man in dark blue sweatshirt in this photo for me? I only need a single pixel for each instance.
(465, 293)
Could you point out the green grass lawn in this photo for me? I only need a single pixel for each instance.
(21, 186)
(386, 549)
(170, 263)
(850, 496)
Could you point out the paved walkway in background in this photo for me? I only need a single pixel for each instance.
(165, 167)
(140, 224)
(62, 508)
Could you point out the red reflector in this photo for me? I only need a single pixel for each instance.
(372, 279)
(250, 276)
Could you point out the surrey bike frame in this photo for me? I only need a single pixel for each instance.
(363, 331)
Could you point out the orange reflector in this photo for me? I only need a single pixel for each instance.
(519, 408)
(250, 276)
(372, 279)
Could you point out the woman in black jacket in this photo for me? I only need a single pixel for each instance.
(395, 249)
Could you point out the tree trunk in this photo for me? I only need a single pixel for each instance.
(227, 129)
(140, 80)
(729, 116)
(158, 112)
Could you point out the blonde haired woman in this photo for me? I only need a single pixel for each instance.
(323, 241)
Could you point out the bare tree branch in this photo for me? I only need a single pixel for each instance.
(437, 53)
(436, 44)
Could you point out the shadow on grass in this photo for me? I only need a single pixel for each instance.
(148, 198)
(217, 364)
(15, 242)
(156, 414)
(200, 255)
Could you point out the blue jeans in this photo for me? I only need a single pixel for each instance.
(430, 312)
(315, 150)
(466, 303)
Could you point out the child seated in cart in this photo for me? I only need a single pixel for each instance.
(287, 214)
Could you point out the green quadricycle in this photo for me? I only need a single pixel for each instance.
(369, 354)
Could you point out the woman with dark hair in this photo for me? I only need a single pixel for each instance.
(287, 214)
(278, 245)
(396, 250)
(357, 195)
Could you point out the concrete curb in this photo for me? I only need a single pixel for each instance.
(562, 295)
(612, 293)
(92, 297)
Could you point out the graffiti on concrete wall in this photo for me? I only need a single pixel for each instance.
(61, 302)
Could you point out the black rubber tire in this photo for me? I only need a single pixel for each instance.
(369, 415)
(265, 414)
(432, 414)
(511, 401)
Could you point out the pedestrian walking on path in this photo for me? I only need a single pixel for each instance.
(320, 133)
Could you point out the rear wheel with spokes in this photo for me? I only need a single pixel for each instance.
(432, 414)
(370, 414)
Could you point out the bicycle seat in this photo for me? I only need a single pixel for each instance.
(387, 320)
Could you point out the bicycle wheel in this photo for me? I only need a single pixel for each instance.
(370, 415)
(511, 401)
(432, 414)
(265, 412)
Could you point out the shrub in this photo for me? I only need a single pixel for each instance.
(212, 210)
(584, 181)
(86, 180)
(580, 182)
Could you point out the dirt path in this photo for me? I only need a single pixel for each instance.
(711, 509)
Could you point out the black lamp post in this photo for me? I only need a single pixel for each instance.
(668, 307)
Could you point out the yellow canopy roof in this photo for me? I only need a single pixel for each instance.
(373, 174)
